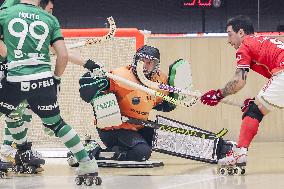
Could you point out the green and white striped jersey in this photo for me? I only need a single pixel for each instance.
(28, 32)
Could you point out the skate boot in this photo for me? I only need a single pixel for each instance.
(28, 160)
(4, 167)
(93, 149)
(7, 153)
(87, 173)
(234, 163)
(7, 159)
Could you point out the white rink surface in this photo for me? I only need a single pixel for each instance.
(265, 170)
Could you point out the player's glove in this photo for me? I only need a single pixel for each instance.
(92, 65)
(95, 68)
(247, 103)
(212, 97)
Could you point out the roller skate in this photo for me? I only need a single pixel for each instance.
(87, 173)
(7, 159)
(91, 146)
(7, 153)
(234, 163)
(28, 160)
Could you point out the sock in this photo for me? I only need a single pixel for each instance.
(72, 141)
(249, 129)
(8, 139)
(17, 129)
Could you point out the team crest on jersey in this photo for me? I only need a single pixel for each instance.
(135, 100)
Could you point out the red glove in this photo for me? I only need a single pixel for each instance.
(246, 104)
(212, 98)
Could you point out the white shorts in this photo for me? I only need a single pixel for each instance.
(272, 94)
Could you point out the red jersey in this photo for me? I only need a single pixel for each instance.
(263, 55)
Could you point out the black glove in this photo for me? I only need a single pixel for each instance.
(91, 65)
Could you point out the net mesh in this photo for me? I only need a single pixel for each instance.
(113, 53)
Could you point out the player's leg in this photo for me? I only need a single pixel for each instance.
(44, 103)
(128, 145)
(269, 98)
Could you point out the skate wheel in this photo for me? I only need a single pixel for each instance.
(223, 171)
(79, 180)
(238, 171)
(98, 181)
(231, 171)
(243, 171)
(31, 170)
(2, 174)
(89, 181)
(18, 169)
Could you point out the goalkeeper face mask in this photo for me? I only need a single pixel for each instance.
(151, 58)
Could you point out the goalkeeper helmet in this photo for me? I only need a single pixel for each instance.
(148, 53)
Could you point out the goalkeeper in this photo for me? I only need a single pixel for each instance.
(111, 100)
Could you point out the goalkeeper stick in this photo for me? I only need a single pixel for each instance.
(92, 41)
(193, 131)
(149, 91)
(160, 86)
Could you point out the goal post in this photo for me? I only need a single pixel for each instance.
(113, 53)
(96, 32)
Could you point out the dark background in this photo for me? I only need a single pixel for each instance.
(167, 16)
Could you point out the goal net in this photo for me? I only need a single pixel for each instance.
(115, 52)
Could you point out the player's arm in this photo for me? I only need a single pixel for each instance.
(213, 97)
(62, 57)
(236, 83)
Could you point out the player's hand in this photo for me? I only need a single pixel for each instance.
(212, 97)
(246, 104)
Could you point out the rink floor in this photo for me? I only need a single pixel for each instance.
(265, 170)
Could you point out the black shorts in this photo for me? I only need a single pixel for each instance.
(41, 96)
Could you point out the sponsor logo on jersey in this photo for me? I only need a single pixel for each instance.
(136, 100)
(139, 112)
(7, 106)
(48, 107)
(105, 105)
(38, 56)
(27, 85)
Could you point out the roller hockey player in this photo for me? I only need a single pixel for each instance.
(21, 75)
(112, 100)
(129, 141)
(265, 56)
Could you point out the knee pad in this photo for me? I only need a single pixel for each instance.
(91, 87)
(139, 152)
(55, 127)
(253, 112)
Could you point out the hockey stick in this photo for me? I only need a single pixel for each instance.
(149, 91)
(92, 41)
(160, 86)
(191, 132)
